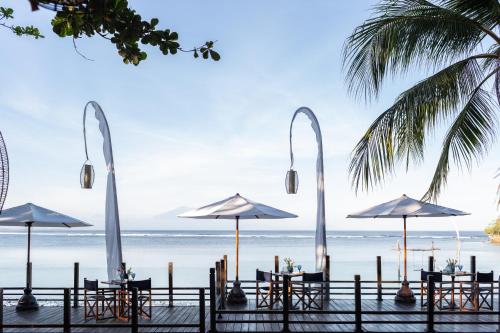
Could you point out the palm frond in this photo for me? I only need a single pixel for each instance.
(405, 33)
(399, 133)
(485, 12)
(468, 139)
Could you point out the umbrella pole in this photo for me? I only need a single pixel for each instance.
(28, 301)
(404, 250)
(405, 294)
(28, 268)
(237, 246)
(237, 295)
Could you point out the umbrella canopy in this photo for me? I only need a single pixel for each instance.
(405, 206)
(237, 207)
(38, 217)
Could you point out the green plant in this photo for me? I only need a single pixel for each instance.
(458, 40)
(494, 228)
(7, 14)
(114, 21)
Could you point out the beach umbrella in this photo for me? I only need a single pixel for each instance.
(30, 215)
(402, 208)
(237, 208)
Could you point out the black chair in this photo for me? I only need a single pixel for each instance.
(443, 290)
(267, 291)
(97, 302)
(144, 298)
(309, 291)
(477, 294)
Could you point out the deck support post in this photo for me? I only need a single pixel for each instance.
(135, 312)
(473, 268)
(430, 304)
(76, 284)
(379, 279)
(202, 309)
(213, 317)
(430, 264)
(170, 284)
(286, 304)
(358, 326)
(67, 311)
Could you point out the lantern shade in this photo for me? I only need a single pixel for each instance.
(292, 182)
(87, 175)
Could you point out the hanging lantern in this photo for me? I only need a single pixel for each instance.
(87, 175)
(292, 182)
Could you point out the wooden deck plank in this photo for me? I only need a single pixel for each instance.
(189, 314)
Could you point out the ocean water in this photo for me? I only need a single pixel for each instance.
(194, 252)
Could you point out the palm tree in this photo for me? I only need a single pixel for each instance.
(456, 39)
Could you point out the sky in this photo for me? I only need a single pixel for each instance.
(188, 132)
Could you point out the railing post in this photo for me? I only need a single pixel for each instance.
(222, 284)
(67, 311)
(1, 310)
(135, 312)
(379, 278)
(225, 267)
(76, 284)
(170, 284)
(473, 268)
(277, 267)
(286, 303)
(498, 329)
(217, 278)
(357, 304)
(430, 265)
(327, 278)
(202, 310)
(430, 303)
(213, 323)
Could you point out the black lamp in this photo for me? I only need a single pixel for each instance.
(292, 182)
(87, 175)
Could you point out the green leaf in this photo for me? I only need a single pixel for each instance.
(214, 55)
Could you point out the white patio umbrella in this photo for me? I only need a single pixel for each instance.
(237, 208)
(30, 215)
(404, 207)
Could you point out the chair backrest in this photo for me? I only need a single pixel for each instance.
(139, 284)
(262, 276)
(312, 277)
(438, 276)
(91, 285)
(484, 277)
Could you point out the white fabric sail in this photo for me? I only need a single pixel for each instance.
(320, 246)
(112, 218)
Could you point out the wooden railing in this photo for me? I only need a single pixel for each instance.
(357, 316)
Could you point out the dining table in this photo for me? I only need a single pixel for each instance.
(121, 286)
(453, 276)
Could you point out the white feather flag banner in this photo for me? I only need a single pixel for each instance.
(320, 246)
(112, 218)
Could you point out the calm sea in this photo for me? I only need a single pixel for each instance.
(193, 252)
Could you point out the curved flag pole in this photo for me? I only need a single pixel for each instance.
(321, 250)
(4, 172)
(112, 218)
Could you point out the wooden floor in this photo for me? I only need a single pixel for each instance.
(302, 322)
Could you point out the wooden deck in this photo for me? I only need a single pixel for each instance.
(299, 322)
